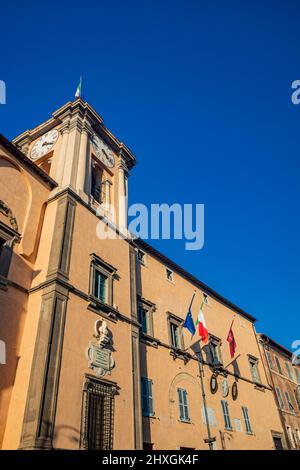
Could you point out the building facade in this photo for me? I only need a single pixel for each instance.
(284, 378)
(96, 355)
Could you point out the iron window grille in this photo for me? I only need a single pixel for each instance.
(98, 415)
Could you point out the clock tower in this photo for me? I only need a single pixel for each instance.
(76, 149)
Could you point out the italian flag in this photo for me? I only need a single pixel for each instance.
(78, 90)
(200, 322)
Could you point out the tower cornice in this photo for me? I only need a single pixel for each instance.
(82, 115)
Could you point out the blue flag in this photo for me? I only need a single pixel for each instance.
(189, 322)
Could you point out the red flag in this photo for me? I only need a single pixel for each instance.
(232, 343)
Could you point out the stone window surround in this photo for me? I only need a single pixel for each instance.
(254, 360)
(217, 342)
(143, 260)
(172, 318)
(98, 264)
(150, 309)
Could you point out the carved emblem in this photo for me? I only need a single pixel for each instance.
(99, 353)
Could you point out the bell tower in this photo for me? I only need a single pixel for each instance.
(76, 149)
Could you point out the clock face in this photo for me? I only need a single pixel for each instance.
(44, 144)
(225, 388)
(103, 152)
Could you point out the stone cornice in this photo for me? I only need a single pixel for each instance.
(76, 113)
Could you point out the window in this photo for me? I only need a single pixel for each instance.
(246, 420)
(278, 365)
(291, 436)
(289, 371)
(297, 376)
(145, 315)
(279, 398)
(289, 402)
(101, 280)
(253, 363)
(147, 397)
(269, 358)
(8, 236)
(100, 286)
(170, 275)
(98, 415)
(226, 415)
(277, 443)
(175, 333)
(141, 256)
(297, 398)
(184, 413)
(97, 186)
(215, 351)
(143, 319)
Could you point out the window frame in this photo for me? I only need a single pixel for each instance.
(183, 405)
(215, 344)
(270, 360)
(253, 365)
(279, 398)
(147, 411)
(105, 392)
(247, 422)
(143, 260)
(108, 271)
(278, 365)
(171, 273)
(226, 415)
(176, 321)
(289, 372)
(9, 237)
(149, 308)
(289, 402)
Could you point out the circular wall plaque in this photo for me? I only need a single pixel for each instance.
(213, 384)
(234, 391)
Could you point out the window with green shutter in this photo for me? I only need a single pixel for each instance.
(147, 397)
(247, 420)
(184, 413)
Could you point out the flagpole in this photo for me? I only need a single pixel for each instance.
(209, 439)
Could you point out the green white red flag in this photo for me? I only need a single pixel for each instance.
(78, 89)
(201, 324)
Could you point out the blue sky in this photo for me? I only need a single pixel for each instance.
(200, 91)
